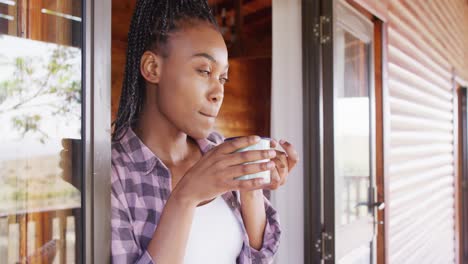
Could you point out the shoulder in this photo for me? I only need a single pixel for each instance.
(118, 155)
(120, 162)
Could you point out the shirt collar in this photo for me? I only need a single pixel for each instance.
(144, 159)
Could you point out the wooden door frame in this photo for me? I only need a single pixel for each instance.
(318, 150)
(461, 192)
(96, 121)
(312, 102)
(380, 47)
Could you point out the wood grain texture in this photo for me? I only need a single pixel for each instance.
(380, 182)
(247, 98)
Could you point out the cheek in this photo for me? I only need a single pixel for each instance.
(180, 96)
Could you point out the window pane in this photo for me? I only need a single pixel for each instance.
(354, 219)
(352, 133)
(40, 113)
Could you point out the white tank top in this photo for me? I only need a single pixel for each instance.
(215, 236)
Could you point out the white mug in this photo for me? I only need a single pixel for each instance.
(263, 144)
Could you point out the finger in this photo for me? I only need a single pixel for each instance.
(283, 157)
(232, 145)
(281, 167)
(293, 157)
(273, 143)
(247, 156)
(274, 179)
(245, 169)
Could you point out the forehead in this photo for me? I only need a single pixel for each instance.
(197, 39)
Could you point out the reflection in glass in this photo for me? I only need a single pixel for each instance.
(352, 147)
(40, 113)
(352, 131)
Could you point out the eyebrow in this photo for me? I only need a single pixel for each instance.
(208, 56)
(205, 55)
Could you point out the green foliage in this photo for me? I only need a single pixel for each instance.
(52, 85)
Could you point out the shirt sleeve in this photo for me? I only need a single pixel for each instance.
(271, 237)
(124, 246)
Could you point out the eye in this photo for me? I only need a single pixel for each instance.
(224, 80)
(204, 72)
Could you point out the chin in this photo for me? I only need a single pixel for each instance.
(200, 133)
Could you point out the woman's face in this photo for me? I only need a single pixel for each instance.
(191, 87)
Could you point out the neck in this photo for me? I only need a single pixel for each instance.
(172, 146)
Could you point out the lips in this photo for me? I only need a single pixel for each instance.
(208, 115)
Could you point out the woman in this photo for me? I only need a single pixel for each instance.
(174, 199)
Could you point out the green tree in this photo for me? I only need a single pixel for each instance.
(52, 85)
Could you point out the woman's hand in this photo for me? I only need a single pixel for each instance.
(285, 162)
(214, 173)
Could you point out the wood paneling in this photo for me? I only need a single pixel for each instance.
(246, 107)
(52, 28)
(8, 26)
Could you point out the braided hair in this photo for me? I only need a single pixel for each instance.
(151, 24)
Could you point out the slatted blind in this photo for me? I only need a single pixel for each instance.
(421, 157)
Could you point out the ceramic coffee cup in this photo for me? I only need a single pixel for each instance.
(263, 144)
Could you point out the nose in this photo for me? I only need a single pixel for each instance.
(217, 98)
(216, 93)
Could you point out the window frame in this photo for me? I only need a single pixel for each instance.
(97, 130)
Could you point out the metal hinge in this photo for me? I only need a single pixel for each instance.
(322, 29)
(321, 245)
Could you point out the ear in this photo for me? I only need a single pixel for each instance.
(150, 67)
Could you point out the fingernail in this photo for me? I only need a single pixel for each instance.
(282, 141)
(270, 165)
(271, 153)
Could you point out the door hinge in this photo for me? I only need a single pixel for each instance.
(321, 245)
(322, 29)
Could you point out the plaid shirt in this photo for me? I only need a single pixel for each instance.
(141, 186)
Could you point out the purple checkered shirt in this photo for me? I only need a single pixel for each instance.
(141, 186)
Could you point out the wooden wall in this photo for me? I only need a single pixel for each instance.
(121, 15)
(246, 107)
